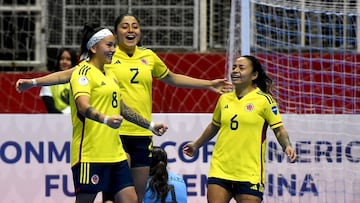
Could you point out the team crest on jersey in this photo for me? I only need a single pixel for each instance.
(83, 81)
(144, 61)
(249, 107)
(95, 179)
(274, 110)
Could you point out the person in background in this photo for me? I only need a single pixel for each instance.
(164, 186)
(56, 98)
(135, 67)
(241, 118)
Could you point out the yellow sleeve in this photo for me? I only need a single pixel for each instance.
(160, 70)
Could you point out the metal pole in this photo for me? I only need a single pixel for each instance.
(245, 27)
(203, 25)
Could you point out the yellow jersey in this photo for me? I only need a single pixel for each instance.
(92, 141)
(135, 75)
(61, 95)
(239, 152)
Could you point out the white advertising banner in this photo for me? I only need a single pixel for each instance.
(35, 158)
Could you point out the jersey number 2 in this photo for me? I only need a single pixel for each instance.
(136, 73)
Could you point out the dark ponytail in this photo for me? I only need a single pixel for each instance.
(159, 175)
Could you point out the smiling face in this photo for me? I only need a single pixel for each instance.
(128, 33)
(105, 49)
(242, 72)
(65, 60)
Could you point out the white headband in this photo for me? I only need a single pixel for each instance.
(101, 34)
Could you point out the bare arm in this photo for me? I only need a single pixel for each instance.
(210, 131)
(133, 117)
(55, 78)
(179, 80)
(85, 109)
(282, 137)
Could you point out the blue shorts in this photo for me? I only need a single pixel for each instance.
(139, 148)
(238, 188)
(95, 177)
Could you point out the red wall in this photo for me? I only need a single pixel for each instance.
(13, 102)
(305, 85)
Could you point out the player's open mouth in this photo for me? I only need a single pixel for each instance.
(235, 76)
(109, 56)
(130, 37)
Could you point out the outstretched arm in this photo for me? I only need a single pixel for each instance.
(282, 137)
(179, 80)
(55, 78)
(132, 116)
(210, 131)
